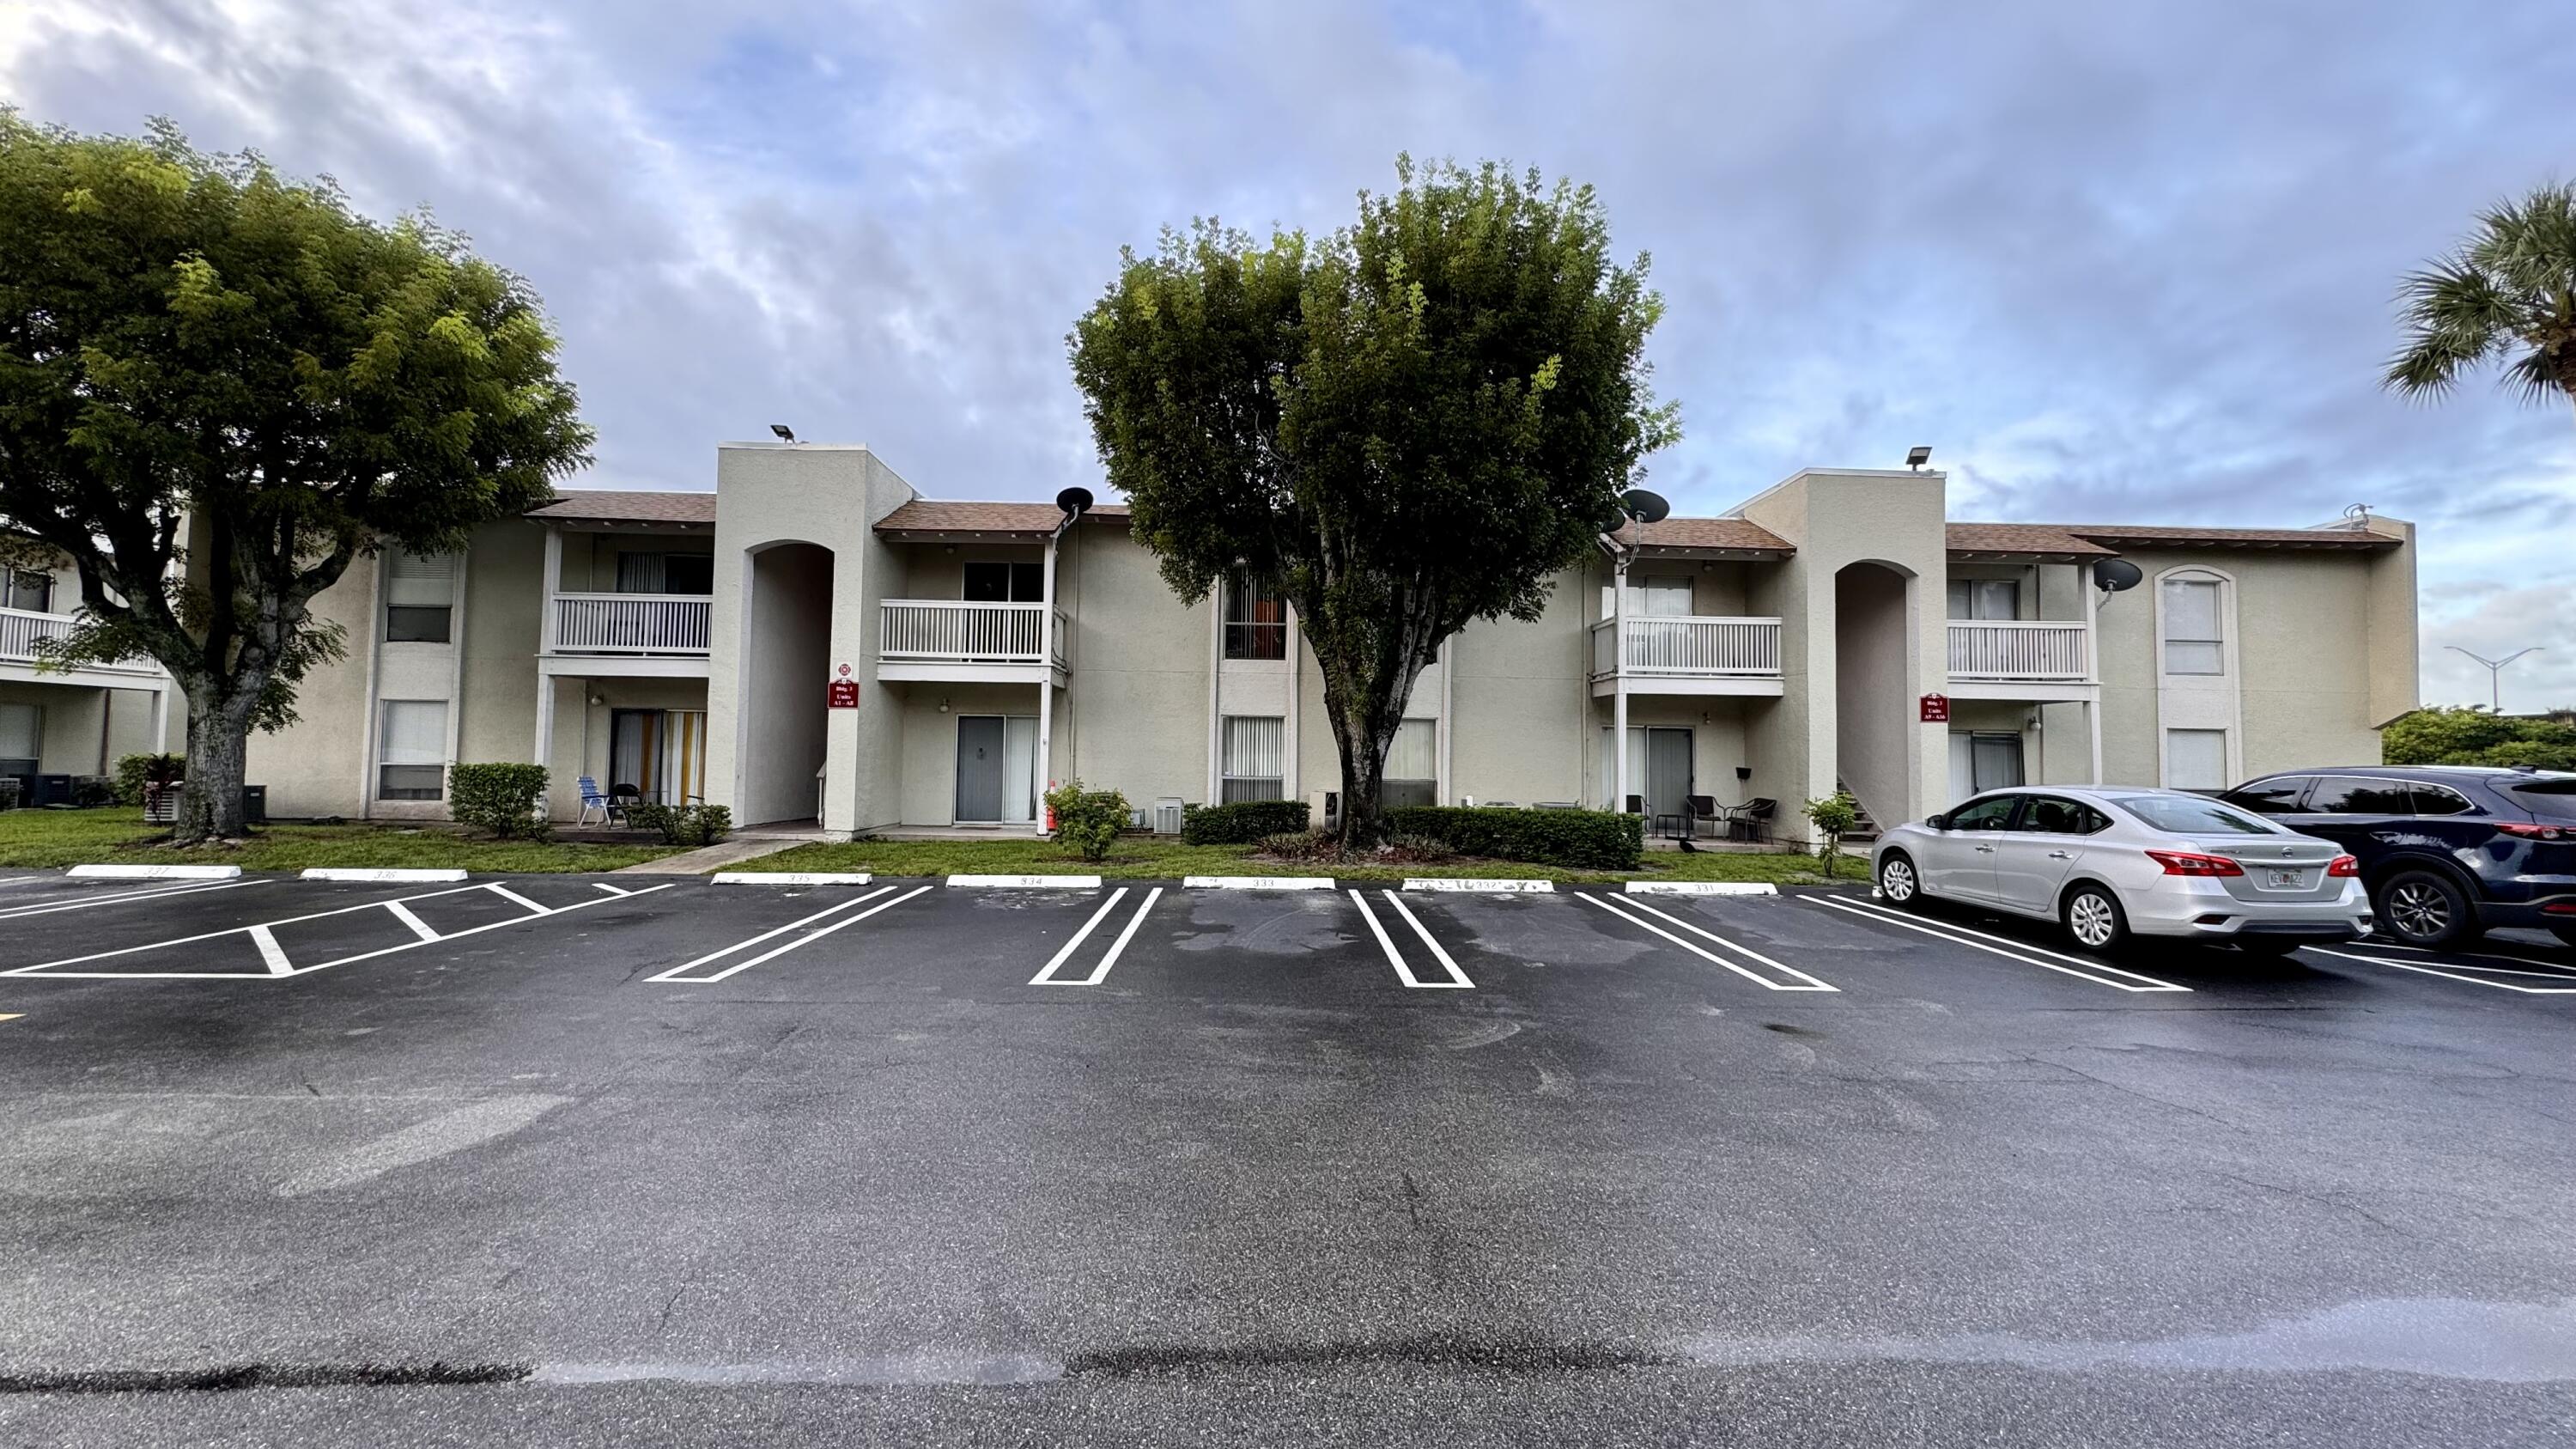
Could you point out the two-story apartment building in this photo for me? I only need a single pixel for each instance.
(57, 723)
(687, 644)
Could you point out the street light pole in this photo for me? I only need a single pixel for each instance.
(2495, 671)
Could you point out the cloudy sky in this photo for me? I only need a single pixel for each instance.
(2127, 263)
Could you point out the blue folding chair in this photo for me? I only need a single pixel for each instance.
(591, 800)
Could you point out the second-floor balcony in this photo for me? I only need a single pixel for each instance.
(954, 638)
(1686, 654)
(2033, 651)
(674, 624)
(23, 633)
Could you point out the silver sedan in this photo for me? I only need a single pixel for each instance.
(2111, 863)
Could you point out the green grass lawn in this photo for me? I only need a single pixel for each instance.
(50, 838)
(1164, 860)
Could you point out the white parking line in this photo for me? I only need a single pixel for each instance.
(270, 952)
(2454, 975)
(772, 933)
(419, 927)
(1046, 973)
(2550, 968)
(47, 908)
(507, 894)
(263, 936)
(1623, 909)
(1100, 972)
(1403, 972)
(2002, 946)
(807, 939)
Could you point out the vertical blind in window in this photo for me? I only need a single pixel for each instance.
(420, 593)
(1415, 753)
(1255, 759)
(2193, 641)
(411, 750)
(1985, 599)
(2196, 759)
(21, 738)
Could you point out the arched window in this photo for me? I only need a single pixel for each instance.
(2195, 609)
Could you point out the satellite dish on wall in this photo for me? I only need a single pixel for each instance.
(2112, 575)
(1643, 506)
(1074, 501)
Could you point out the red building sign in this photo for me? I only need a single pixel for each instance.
(1936, 709)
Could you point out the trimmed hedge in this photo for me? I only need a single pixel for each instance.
(1086, 819)
(500, 798)
(690, 825)
(1245, 822)
(1583, 839)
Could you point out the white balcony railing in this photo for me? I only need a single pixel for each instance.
(630, 624)
(956, 632)
(2037, 650)
(23, 630)
(1687, 647)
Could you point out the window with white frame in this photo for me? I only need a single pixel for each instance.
(411, 749)
(1256, 621)
(1255, 757)
(22, 735)
(420, 597)
(29, 589)
(2196, 759)
(1412, 775)
(2195, 629)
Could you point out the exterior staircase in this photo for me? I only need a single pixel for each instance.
(1864, 830)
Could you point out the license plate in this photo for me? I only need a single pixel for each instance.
(2287, 879)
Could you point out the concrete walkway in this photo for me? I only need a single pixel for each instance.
(711, 857)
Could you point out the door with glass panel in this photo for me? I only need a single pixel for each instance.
(996, 764)
(661, 752)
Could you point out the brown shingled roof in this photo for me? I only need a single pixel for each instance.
(941, 516)
(2146, 536)
(2046, 539)
(2095, 540)
(1737, 535)
(630, 506)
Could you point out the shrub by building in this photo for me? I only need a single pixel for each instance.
(1582, 839)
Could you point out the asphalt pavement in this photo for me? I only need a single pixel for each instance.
(559, 1160)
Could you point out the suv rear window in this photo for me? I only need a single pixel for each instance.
(2270, 797)
(2551, 799)
(2187, 815)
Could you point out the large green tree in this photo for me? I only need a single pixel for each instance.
(218, 388)
(2507, 294)
(1414, 422)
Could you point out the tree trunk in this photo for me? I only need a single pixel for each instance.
(1363, 772)
(210, 799)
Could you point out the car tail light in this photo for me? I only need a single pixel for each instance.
(2344, 865)
(2536, 832)
(2184, 862)
(2559, 908)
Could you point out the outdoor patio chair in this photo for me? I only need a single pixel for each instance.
(591, 800)
(1704, 810)
(1751, 820)
(619, 797)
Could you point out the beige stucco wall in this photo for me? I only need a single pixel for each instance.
(2316, 654)
(83, 731)
(1138, 703)
(504, 606)
(829, 496)
(1520, 703)
(318, 765)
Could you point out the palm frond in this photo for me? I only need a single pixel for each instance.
(2455, 316)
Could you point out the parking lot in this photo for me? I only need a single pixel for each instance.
(1088, 1164)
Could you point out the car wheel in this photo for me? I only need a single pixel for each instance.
(2094, 919)
(2421, 908)
(1898, 885)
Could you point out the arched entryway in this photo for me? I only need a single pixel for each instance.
(1874, 687)
(787, 639)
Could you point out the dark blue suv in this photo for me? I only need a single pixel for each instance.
(2448, 851)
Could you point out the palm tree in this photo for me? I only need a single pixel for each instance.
(2508, 293)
